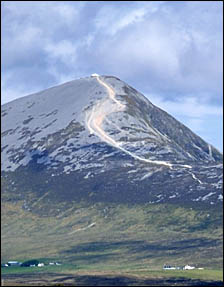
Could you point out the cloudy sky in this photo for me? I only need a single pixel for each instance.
(171, 51)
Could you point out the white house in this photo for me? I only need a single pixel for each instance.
(13, 263)
(40, 264)
(168, 267)
(94, 75)
(188, 267)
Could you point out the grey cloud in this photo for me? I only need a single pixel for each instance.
(176, 44)
(170, 48)
(166, 55)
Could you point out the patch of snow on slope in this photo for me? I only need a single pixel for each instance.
(132, 171)
(49, 116)
(208, 195)
(87, 175)
(150, 172)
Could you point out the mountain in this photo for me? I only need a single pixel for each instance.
(98, 144)
(98, 128)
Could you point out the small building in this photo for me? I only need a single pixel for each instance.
(94, 75)
(168, 267)
(188, 267)
(14, 263)
(40, 264)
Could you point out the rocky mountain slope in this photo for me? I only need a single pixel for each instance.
(98, 139)
(95, 175)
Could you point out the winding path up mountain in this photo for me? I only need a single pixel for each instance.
(100, 111)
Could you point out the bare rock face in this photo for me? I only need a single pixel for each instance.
(97, 139)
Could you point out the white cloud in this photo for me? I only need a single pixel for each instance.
(64, 51)
(171, 45)
(167, 48)
(112, 19)
(66, 12)
(189, 106)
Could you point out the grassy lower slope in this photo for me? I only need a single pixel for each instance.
(145, 277)
(114, 237)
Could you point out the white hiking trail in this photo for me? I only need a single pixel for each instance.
(83, 228)
(99, 113)
(111, 93)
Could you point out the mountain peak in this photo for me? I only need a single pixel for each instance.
(91, 126)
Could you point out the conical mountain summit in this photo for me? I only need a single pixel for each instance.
(99, 140)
